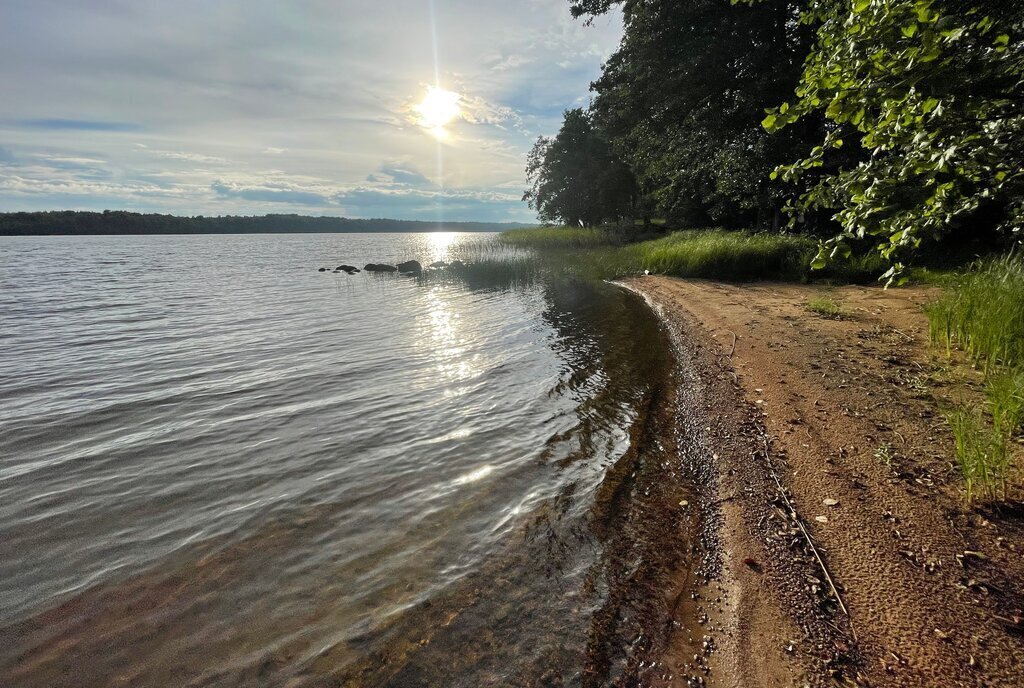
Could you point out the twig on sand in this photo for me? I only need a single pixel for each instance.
(807, 536)
(733, 350)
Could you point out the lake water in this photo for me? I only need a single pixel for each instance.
(219, 466)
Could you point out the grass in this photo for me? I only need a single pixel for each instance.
(982, 453)
(712, 253)
(562, 237)
(884, 454)
(725, 255)
(825, 306)
(982, 312)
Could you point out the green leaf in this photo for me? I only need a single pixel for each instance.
(860, 5)
(909, 30)
(769, 122)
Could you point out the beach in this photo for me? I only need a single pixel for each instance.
(840, 548)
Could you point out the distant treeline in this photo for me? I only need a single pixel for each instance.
(122, 222)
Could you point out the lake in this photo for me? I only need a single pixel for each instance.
(219, 466)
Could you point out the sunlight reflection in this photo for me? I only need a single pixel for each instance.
(446, 341)
(440, 242)
(473, 476)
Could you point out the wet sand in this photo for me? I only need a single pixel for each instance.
(839, 549)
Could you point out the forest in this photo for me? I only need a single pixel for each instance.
(124, 222)
(890, 127)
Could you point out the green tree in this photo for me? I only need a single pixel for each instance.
(931, 90)
(574, 177)
(682, 98)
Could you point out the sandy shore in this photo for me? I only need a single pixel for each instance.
(837, 545)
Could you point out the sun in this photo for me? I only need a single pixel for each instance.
(438, 108)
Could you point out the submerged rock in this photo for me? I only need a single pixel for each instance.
(379, 267)
(439, 264)
(410, 266)
(350, 269)
(322, 270)
(456, 264)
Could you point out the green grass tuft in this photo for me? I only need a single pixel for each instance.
(825, 306)
(981, 452)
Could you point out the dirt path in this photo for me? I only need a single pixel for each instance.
(846, 413)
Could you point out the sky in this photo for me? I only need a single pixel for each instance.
(195, 107)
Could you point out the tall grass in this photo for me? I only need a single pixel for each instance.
(982, 312)
(561, 237)
(712, 253)
(726, 255)
(981, 453)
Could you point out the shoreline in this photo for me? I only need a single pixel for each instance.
(861, 565)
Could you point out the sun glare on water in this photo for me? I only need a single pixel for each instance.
(438, 108)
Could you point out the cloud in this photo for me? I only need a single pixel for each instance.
(504, 63)
(400, 173)
(270, 194)
(68, 161)
(476, 110)
(440, 204)
(191, 157)
(77, 125)
(179, 107)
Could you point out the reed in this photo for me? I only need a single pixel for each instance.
(485, 273)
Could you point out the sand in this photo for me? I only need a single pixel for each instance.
(838, 546)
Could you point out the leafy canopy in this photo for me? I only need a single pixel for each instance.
(682, 98)
(932, 92)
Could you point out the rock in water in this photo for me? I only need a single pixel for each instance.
(410, 266)
(379, 267)
(322, 270)
(350, 269)
(439, 264)
(456, 264)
